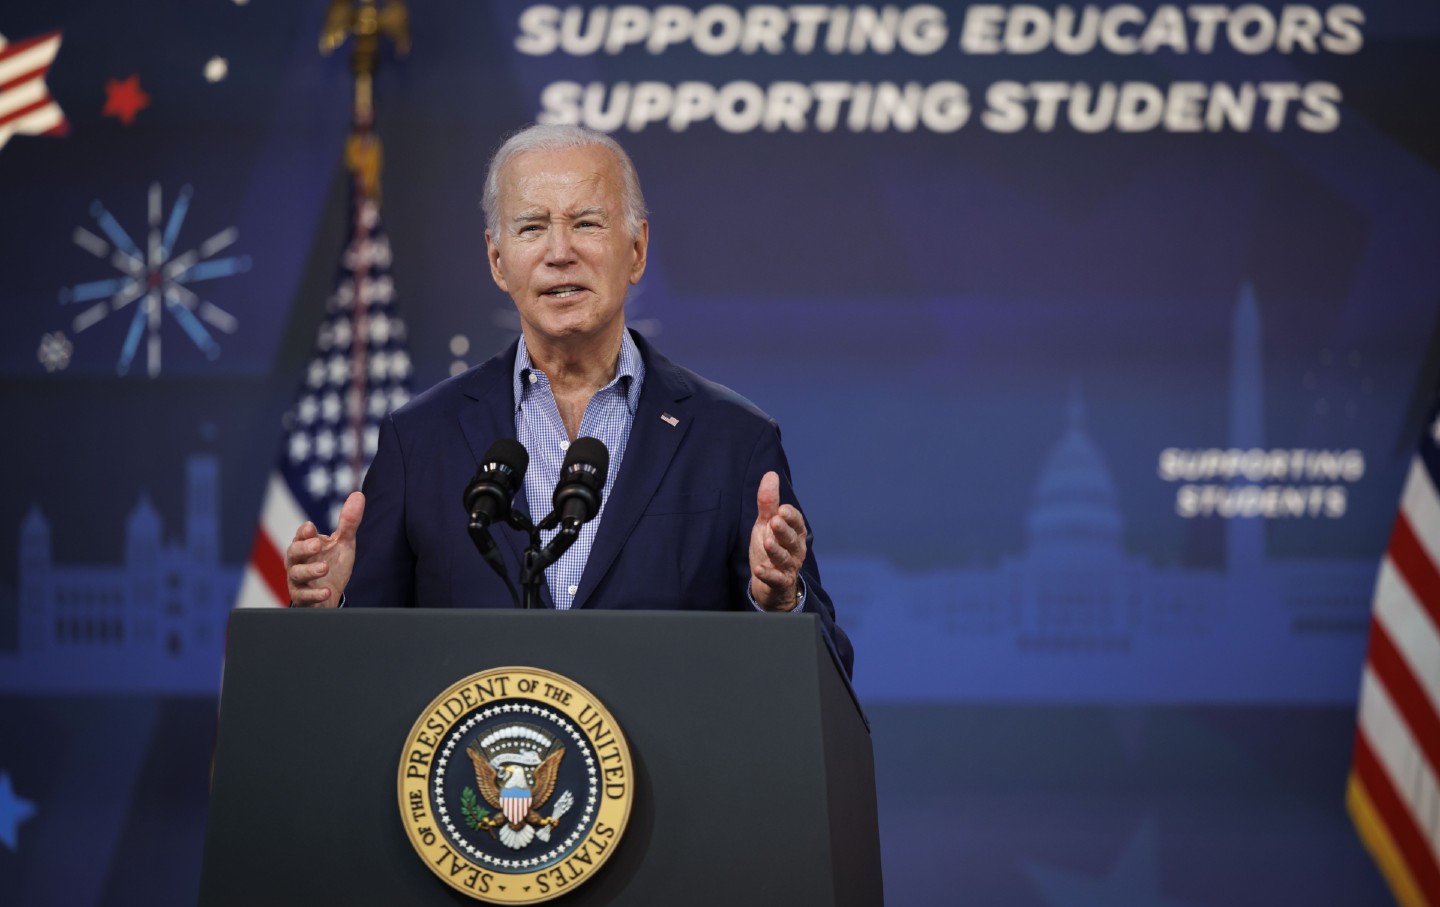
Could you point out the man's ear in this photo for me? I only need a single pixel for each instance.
(640, 247)
(493, 253)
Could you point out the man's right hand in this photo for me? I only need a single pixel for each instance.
(317, 567)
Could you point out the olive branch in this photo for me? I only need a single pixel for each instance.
(470, 808)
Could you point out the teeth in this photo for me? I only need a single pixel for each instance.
(562, 292)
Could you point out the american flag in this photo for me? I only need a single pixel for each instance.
(1393, 793)
(358, 372)
(25, 103)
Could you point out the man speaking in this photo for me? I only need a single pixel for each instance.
(697, 510)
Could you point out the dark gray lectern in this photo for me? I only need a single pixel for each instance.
(755, 779)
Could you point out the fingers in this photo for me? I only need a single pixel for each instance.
(767, 498)
(778, 545)
(772, 576)
(310, 596)
(781, 544)
(350, 514)
(306, 571)
(788, 527)
(306, 544)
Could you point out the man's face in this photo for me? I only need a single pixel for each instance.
(562, 250)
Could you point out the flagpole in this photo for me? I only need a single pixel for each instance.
(353, 379)
(369, 24)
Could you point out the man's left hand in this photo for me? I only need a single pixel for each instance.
(777, 548)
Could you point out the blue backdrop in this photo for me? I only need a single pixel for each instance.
(1098, 337)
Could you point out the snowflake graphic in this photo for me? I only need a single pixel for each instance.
(155, 281)
(54, 352)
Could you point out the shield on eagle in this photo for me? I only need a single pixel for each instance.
(515, 801)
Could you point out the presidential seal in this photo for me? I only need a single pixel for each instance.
(515, 785)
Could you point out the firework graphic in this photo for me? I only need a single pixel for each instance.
(155, 281)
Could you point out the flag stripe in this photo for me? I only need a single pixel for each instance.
(33, 56)
(1398, 821)
(264, 584)
(23, 99)
(281, 514)
(270, 565)
(48, 120)
(1413, 562)
(255, 591)
(1394, 791)
(1429, 457)
(1381, 845)
(1421, 506)
(1394, 743)
(15, 48)
(1409, 629)
(1411, 697)
(18, 78)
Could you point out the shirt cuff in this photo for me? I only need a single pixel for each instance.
(799, 598)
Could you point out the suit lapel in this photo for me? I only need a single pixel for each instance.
(489, 418)
(652, 445)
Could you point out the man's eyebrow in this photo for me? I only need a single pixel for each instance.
(538, 215)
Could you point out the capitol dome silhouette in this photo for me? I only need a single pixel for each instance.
(1075, 514)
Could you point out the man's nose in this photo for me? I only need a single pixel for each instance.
(559, 250)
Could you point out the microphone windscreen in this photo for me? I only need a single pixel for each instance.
(590, 451)
(512, 454)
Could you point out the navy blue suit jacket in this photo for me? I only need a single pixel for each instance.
(676, 529)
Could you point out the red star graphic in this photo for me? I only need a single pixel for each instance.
(124, 99)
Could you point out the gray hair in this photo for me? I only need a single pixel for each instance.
(555, 138)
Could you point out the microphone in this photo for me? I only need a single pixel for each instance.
(582, 480)
(497, 481)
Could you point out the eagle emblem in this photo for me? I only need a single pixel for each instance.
(516, 767)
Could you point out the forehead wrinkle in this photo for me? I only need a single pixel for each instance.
(542, 214)
(526, 177)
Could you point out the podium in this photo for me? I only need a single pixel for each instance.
(753, 770)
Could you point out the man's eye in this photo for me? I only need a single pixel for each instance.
(529, 228)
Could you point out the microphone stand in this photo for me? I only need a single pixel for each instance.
(532, 568)
(538, 556)
(485, 544)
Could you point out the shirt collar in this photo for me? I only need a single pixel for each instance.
(630, 369)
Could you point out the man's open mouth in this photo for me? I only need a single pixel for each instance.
(562, 292)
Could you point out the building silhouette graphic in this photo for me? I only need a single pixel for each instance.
(1075, 616)
(154, 622)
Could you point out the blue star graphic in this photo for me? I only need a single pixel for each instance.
(13, 811)
(1131, 880)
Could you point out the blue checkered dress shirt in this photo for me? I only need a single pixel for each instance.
(538, 426)
(608, 417)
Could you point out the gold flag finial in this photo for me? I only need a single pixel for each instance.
(368, 22)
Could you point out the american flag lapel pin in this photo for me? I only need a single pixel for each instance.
(669, 420)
